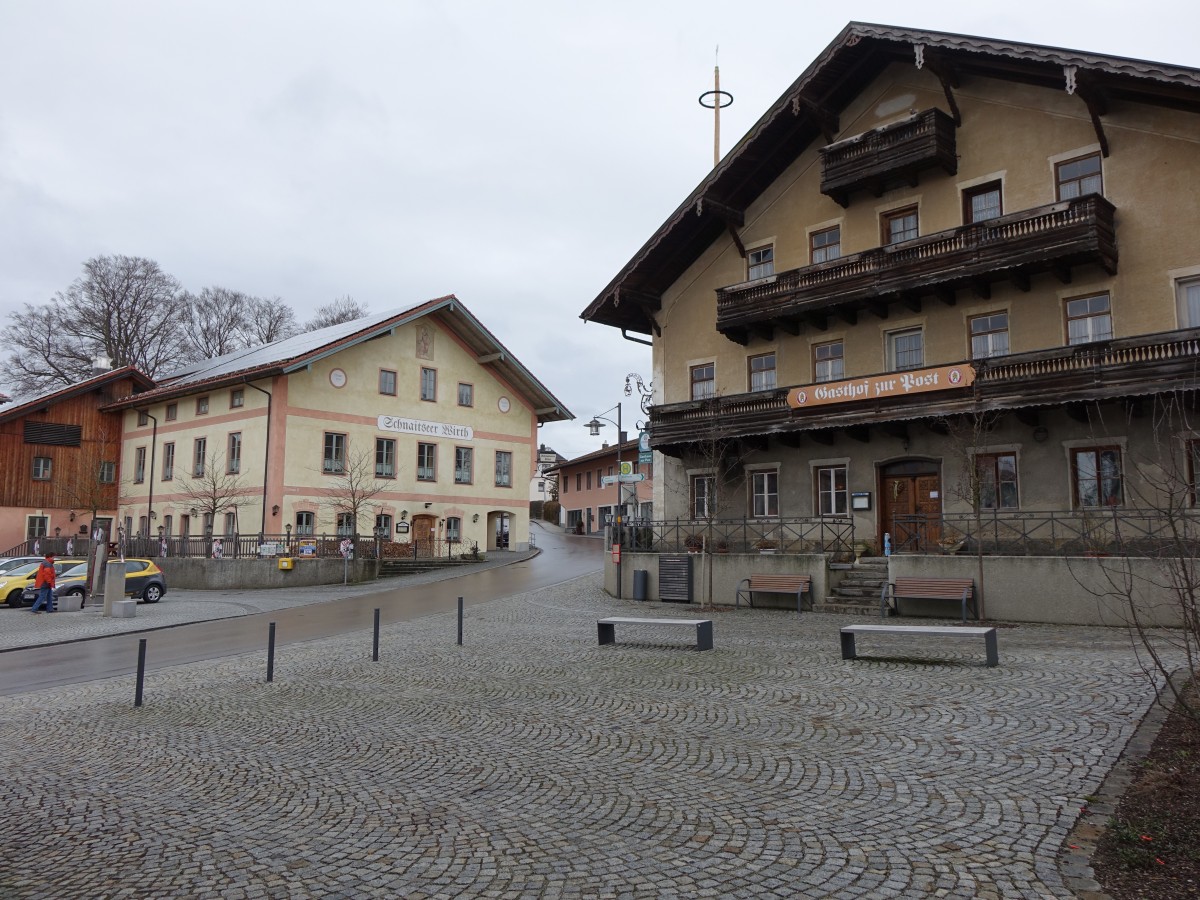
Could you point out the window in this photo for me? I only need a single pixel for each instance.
(234, 455)
(426, 462)
(982, 203)
(1188, 292)
(428, 384)
(237, 398)
(172, 412)
(589, 479)
(1089, 319)
(989, 335)
(230, 524)
(335, 453)
(828, 364)
(387, 382)
(1097, 473)
(463, 461)
(704, 488)
(139, 465)
(579, 481)
(385, 458)
(503, 468)
(825, 245)
(41, 468)
(345, 524)
(305, 522)
(831, 491)
(168, 524)
(761, 262)
(997, 480)
(566, 485)
(906, 349)
(143, 418)
(762, 372)
(168, 469)
(453, 529)
(35, 527)
(1079, 176)
(764, 494)
(143, 530)
(108, 472)
(201, 406)
(704, 381)
(200, 449)
(383, 526)
(466, 394)
(899, 225)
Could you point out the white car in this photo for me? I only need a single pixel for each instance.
(9, 563)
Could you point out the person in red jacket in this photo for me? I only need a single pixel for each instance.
(44, 583)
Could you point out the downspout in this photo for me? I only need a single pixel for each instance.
(635, 340)
(262, 526)
(150, 479)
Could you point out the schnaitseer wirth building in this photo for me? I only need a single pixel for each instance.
(945, 290)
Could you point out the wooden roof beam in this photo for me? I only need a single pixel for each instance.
(733, 219)
(878, 309)
(946, 294)
(1028, 417)
(945, 72)
(1085, 87)
(817, 321)
(860, 433)
(847, 315)
(790, 324)
(826, 120)
(822, 437)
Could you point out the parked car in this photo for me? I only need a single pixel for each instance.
(14, 582)
(15, 562)
(143, 580)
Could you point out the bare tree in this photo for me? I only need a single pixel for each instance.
(268, 320)
(343, 309)
(211, 487)
(351, 491)
(216, 322)
(124, 309)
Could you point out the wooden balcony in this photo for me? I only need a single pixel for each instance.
(894, 153)
(1015, 247)
(1060, 376)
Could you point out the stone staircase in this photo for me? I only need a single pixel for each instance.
(857, 591)
(391, 568)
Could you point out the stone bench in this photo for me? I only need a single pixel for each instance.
(606, 628)
(772, 584)
(989, 636)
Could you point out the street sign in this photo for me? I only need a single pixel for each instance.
(631, 478)
(626, 468)
(606, 480)
(645, 457)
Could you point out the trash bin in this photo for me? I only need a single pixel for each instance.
(641, 584)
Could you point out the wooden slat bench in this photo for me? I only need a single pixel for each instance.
(772, 584)
(908, 588)
(606, 628)
(989, 636)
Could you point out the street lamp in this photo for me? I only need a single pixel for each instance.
(593, 428)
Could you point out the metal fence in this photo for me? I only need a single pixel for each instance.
(1114, 531)
(245, 546)
(819, 534)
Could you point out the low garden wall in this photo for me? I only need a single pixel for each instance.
(728, 569)
(231, 574)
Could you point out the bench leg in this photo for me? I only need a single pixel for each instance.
(704, 636)
(607, 632)
(993, 653)
(848, 651)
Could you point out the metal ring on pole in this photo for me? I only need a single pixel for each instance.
(721, 99)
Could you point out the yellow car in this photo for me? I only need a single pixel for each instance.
(14, 582)
(143, 580)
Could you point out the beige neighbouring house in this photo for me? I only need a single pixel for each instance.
(945, 294)
(423, 409)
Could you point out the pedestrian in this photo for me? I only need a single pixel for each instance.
(44, 583)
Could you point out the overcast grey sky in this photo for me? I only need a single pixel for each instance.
(515, 154)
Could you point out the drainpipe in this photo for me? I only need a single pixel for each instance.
(262, 527)
(150, 495)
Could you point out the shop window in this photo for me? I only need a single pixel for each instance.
(996, 475)
(1097, 475)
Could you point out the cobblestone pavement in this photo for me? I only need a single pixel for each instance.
(531, 762)
(20, 628)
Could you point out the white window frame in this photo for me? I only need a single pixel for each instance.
(760, 261)
(763, 486)
(893, 352)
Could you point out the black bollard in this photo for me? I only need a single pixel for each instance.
(141, 675)
(271, 653)
(460, 610)
(375, 645)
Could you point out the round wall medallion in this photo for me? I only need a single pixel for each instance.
(503, 404)
(337, 378)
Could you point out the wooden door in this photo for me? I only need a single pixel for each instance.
(422, 535)
(911, 511)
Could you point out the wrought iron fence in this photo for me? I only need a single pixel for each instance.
(231, 546)
(818, 534)
(1115, 531)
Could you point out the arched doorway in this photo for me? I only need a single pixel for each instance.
(910, 504)
(424, 535)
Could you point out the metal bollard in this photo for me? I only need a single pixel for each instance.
(141, 673)
(375, 644)
(460, 614)
(271, 653)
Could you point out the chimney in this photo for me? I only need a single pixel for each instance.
(100, 365)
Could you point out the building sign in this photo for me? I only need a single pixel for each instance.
(426, 429)
(894, 384)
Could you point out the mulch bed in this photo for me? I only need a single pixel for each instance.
(1152, 845)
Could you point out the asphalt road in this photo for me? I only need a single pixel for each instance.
(562, 558)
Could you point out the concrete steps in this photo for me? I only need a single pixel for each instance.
(391, 568)
(857, 592)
